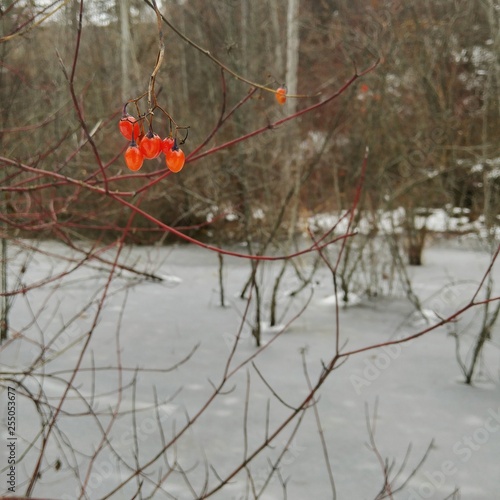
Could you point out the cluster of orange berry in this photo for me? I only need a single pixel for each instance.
(148, 146)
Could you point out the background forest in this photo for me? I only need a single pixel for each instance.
(357, 219)
(429, 113)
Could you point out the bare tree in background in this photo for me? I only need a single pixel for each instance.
(126, 49)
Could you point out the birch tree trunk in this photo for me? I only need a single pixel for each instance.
(292, 51)
(126, 43)
(278, 50)
(292, 66)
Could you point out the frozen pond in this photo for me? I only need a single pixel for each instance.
(160, 348)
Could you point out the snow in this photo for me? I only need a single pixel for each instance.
(424, 318)
(170, 279)
(147, 326)
(438, 220)
(258, 214)
(345, 300)
(231, 217)
(493, 165)
(267, 328)
(312, 144)
(478, 56)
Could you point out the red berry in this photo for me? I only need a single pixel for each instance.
(281, 95)
(129, 124)
(150, 145)
(175, 159)
(167, 144)
(133, 157)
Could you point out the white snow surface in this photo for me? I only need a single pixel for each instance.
(416, 386)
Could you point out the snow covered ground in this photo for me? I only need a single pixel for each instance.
(149, 326)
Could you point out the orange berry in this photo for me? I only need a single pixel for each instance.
(127, 125)
(133, 157)
(281, 95)
(175, 159)
(150, 145)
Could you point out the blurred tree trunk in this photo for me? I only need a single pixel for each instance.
(292, 51)
(292, 66)
(184, 69)
(278, 51)
(126, 43)
(245, 13)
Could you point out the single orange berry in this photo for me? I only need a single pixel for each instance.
(129, 126)
(133, 157)
(281, 95)
(150, 145)
(175, 159)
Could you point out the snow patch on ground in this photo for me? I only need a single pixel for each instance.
(352, 300)
(423, 318)
(170, 279)
(267, 329)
